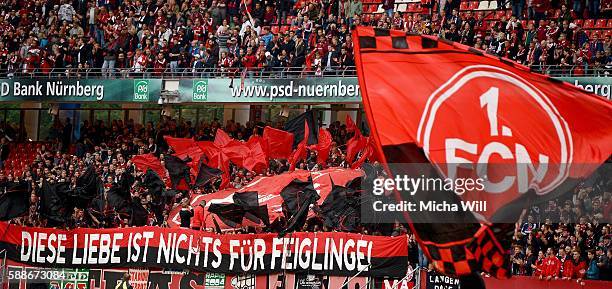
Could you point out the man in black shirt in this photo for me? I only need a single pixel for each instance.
(185, 214)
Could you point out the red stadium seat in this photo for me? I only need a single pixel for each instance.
(274, 29)
(464, 6)
(578, 22)
(412, 7)
(365, 18)
(588, 23)
(601, 23)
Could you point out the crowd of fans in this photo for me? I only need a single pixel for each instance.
(173, 37)
(568, 238)
(109, 148)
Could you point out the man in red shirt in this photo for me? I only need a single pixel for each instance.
(198, 221)
(574, 268)
(550, 266)
(249, 61)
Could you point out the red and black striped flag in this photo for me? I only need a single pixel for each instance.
(432, 101)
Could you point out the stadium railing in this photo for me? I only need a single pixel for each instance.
(93, 73)
(270, 72)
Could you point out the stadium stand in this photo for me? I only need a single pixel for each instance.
(61, 38)
(134, 38)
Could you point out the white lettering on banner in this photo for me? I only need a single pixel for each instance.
(5, 89)
(339, 89)
(52, 89)
(531, 166)
(192, 250)
(600, 89)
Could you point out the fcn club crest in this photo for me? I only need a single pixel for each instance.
(504, 114)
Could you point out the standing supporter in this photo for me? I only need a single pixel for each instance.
(592, 269)
(551, 266)
(574, 268)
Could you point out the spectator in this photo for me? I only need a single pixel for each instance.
(593, 269)
(185, 214)
(200, 215)
(550, 266)
(575, 268)
(355, 9)
(388, 6)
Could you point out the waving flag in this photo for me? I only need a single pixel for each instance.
(324, 146)
(268, 190)
(150, 162)
(296, 127)
(15, 202)
(186, 148)
(466, 112)
(354, 145)
(300, 152)
(279, 142)
(350, 124)
(257, 157)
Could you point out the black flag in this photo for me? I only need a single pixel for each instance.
(177, 169)
(118, 199)
(244, 205)
(296, 127)
(53, 202)
(87, 188)
(138, 212)
(15, 201)
(230, 214)
(206, 174)
(340, 209)
(249, 201)
(298, 196)
(153, 183)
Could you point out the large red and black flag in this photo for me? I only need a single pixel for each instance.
(465, 110)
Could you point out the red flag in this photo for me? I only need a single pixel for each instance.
(366, 154)
(150, 161)
(211, 151)
(224, 165)
(269, 189)
(257, 159)
(300, 152)
(464, 107)
(186, 148)
(324, 146)
(236, 151)
(183, 147)
(222, 138)
(350, 125)
(279, 142)
(355, 145)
